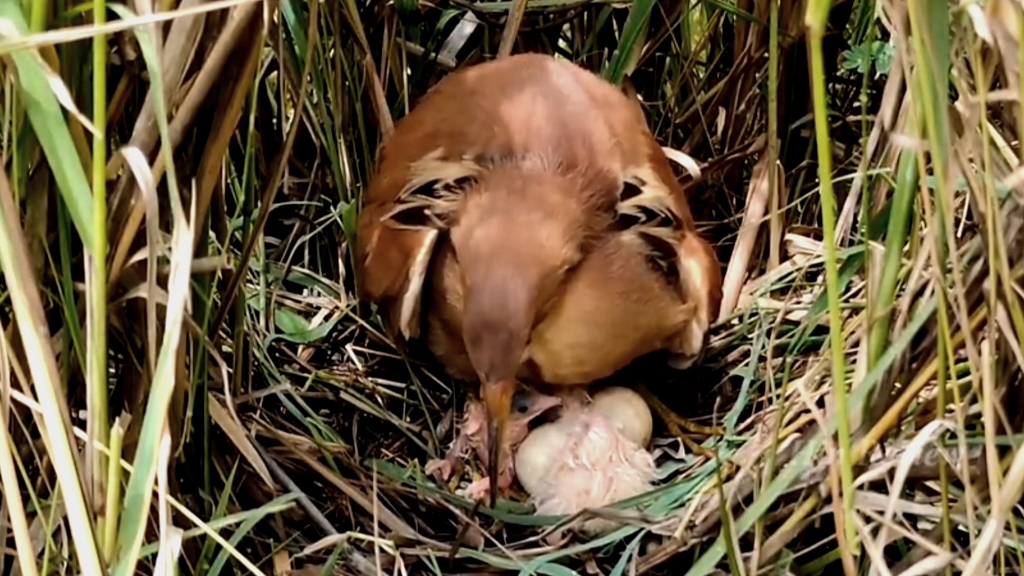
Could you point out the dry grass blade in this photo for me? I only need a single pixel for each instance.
(178, 50)
(138, 493)
(56, 423)
(239, 21)
(170, 535)
(757, 201)
(233, 428)
(75, 33)
(512, 22)
(9, 479)
(992, 533)
(136, 162)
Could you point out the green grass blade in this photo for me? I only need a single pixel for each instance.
(632, 32)
(817, 20)
(96, 266)
(896, 236)
(48, 124)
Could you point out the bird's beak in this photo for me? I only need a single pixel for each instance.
(498, 399)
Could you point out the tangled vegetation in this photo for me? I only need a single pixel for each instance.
(189, 384)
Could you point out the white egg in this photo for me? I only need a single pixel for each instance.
(536, 455)
(627, 411)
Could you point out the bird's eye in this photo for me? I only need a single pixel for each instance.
(520, 403)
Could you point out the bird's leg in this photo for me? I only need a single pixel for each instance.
(481, 489)
(672, 418)
(473, 428)
(676, 423)
(442, 468)
(557, 538)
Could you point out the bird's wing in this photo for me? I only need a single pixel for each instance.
(524, 106)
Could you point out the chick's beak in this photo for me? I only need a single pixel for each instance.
(498, 399)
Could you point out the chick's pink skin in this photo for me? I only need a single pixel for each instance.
(473, 436)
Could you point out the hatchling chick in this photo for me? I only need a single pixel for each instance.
(591, 456)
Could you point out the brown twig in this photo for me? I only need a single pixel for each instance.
(511, 30)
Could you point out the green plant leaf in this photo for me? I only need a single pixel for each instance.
(632, 32)
(48, 123)
(289, 321)
(296, 329)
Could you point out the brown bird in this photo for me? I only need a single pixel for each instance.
(525, 213)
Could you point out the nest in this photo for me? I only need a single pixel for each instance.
(748, 465)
